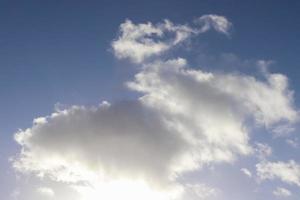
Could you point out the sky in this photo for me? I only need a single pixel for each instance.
(164, 100)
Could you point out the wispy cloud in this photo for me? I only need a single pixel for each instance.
(288, 172)
(140, 41)
(282, 192)
(246, 172)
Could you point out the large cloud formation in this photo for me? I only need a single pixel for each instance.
(185, 118)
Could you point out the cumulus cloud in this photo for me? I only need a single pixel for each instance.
(185, 119)
(173, 85)
(80, 143)
(140, 41)
(288, 172)
(282, 192)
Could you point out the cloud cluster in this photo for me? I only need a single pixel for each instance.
(288, 172)
(140, 41)
(184, 119)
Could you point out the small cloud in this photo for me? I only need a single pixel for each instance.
(246, 172)
(293, 143)
(138, 42)
(283, 130)
(282, 192)
(217, 22)
(40, 120)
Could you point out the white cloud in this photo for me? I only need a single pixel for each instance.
(282, 192)
(246, 172)
(135, 41)
(288, 172)
(39, 120)
(124, 139)
(140, 41)
(217, 22)
(184, 119)
(46, 191)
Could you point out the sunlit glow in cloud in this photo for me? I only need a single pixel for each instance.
(122, 189)
(185, 119)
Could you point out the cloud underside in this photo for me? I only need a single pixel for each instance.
(184, 119)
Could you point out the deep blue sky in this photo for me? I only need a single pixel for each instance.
(59, 51)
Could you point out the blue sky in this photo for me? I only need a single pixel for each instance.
(60, 54)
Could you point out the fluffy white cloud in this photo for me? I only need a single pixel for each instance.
(288, 172)
(185, 118)
(282, 192)
(172, 86)
(246, 172)
(122, 140)
(140, 41)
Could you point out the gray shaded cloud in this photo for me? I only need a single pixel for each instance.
(184, 119)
